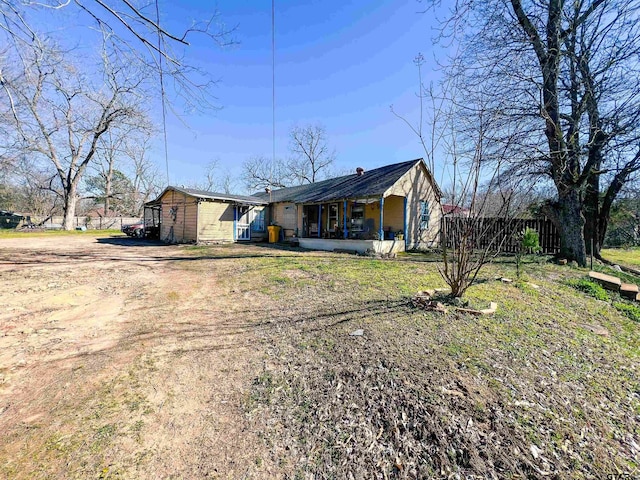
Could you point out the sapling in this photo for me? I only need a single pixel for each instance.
(528, 242)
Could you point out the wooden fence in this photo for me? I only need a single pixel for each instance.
(499, 233)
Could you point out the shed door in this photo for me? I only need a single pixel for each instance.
(243, 224)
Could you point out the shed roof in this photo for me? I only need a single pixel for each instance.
(373, 183)
(224, 197)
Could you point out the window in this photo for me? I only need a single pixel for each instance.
(357, 218)
(257, 224)
(333, 222)
(424, 214)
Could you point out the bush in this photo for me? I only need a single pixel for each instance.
(528, 243)
(590, 288)
(630, 310)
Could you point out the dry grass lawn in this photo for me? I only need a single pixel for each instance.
(123, 359)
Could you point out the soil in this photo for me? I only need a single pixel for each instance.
(118, 362)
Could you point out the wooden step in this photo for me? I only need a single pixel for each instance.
(607, 281)
(629, 290)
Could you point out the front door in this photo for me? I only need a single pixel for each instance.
(243, 226)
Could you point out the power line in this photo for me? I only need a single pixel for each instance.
(273, 86)
(162, 94)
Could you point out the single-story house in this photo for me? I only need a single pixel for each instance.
(391, 208)
(186, 215)
(387, 209)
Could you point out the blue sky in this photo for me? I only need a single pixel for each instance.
(338, 63)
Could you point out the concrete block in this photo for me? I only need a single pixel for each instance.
(607, 281)
(629, 290)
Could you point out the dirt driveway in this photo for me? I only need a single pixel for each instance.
(118, 362)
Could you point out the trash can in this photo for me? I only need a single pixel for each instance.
(274, 233)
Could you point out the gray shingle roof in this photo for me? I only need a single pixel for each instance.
(244, 199)
(372, 183)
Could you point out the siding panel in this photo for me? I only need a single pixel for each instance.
(416, 185)
(215, 222)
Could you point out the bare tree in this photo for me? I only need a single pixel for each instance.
(459, 134)
(311, 160)
(59, 116)
(132, 28)
(311, 157)
(146, 178)
(215, 179)
(471, 241)
(566, 74)
(259, 172)
(124, 174)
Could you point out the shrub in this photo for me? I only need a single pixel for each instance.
(528, 242)
(630, 310)
(590, 288)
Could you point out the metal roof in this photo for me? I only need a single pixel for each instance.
(372, 183)
(242, 199)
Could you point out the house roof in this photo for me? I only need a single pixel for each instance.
(372, 183)
(448, 208)
(242, 199)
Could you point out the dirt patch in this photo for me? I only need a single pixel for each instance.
(115, 361)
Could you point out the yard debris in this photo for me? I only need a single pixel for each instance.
(454, 393)
(493, 306)
(562, 261)
(357, 333)
(535, 451)
(607, 281)
(534, 286)
(597, 329)
(423, 299)
(506, 280)
(629, 290)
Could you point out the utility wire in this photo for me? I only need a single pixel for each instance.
(273, 88)
(162, 94)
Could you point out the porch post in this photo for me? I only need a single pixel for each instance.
(380, 230)
(235, 222)
(404, 228)
(319, 221)
(344, 214)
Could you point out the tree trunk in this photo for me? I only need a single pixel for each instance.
(571, 225)
(591, 211)
(70, 201)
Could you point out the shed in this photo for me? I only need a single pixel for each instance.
(192, 216)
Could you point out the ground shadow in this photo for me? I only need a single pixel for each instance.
(131, 242)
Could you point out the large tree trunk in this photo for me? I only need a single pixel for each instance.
(571, 224)
(591, 211)
(70, 201)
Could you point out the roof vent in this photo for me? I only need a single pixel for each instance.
(267, 190)
(359, 171)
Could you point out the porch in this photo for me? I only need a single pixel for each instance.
(364, 219)
(381, 247)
